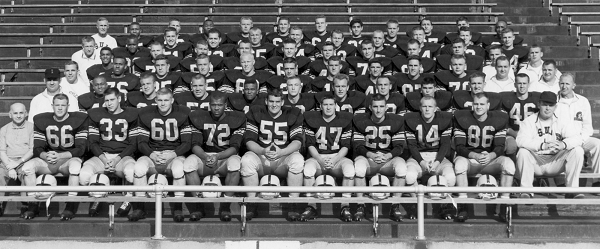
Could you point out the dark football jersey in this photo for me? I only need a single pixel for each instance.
(354, 102)
(306, 50)
(223, 50)
(276, 65)
(142, 52)
(443, 100)
(305, 103)
(471, 135)
(143, 41)
(180, 38)
(517, 55)
(321, 84)
(318, 68)
(213, 81)
(172, 81)
(191, 101)
(474, 62)
(488, 40)
(233, 63)
(400, 65)
(95, 70)
(435, 36)
(464, 101)
(280, 82)
(197, 37)
(266, 130)
(181, 50)
(328, 137)
(314, 38)
(127, 83)
(275, 38)
(355, 42)
(434, 136)
(385, 137)
(189, 64)
(69, 135)
(265, 51)
(447, 80)
(518, 109)
(429, 50)
(138, 100)
(237, 102)
(234, 80)
(397, 43)
(156, 132)
(147, 65)
(360, 66)
(216, 136)
(345, 51)
(395, 103)
(407, 85)
(387, 51)
(471, 49)
(235, 37)
(111, 133)
(89, 100)
(475, 37)
(364, 84)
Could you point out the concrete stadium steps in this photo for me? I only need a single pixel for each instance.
(550, 40)
(35, 62)
(6, 101)
(37, 52)
(573, 64)
(519, 11)
(565, 52)
(23, 90)
(514, 3)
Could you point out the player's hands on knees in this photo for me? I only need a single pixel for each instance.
(425, 165)
(485, 158)
(156, 158)
(386, 157)
(557, 146)
(51, 157)
(12, 173)
(433, 167)
(211, 161)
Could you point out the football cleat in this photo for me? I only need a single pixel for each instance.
(411, 211)
(178, 216)
(22, 210)
(251, 211)
(196, 216)
(67, 215)
(446, 211)
(345, 214)
(360, 214)
(124, 209)
(225, 215)
(136, 215)
(395, 213)
(502, 214)
(310, 213)
(293, 216)
(463, 214)
(93, 211)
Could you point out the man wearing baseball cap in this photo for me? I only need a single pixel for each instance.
(43, 101)
(549, 146)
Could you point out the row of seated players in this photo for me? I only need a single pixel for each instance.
(186, 145)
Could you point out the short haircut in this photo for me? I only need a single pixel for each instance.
(254, 29)
(218, 96)
(536, 46)
(294, 78)
(321, 16)
(335, 58)
(462, 18)
(146, 75)
(492, 47)
(245, 18)
(502, 58)
(328, 43)
(356, 20)
(328, 96)
(459, 40)
(275, 92)
(465, 29)
(87, 39)
(337, 31)
(568, 74)
(549, 62)
(507, 30)
(100, 77)
(289, 41)
(214, 31)
(155, 43)
(481, 95)
(290, 60)
(377, 97)
(384, 77)
(371, 62)
(201, 42)
(416, 28)
(426, 98)
(119, 57)
(134, 23)
(102, 19)
(106, 49)
(283, 18)
(164, 91)
(202, 56)
(133, 37)
(413, 41)
(428, 81)
(477, 75)
(60, 96)
(394, 21)
(523, 75)
(342, 76)
(366, 42)
(161, 57)
(112, 90)
(170, 29)
(414, 57)
(458, 57)
(72, 63)
(197, 77)
(245, 41)
(174, 19)
(425, 19)
(295, 28)
(250, 82)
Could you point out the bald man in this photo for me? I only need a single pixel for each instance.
(16, 144)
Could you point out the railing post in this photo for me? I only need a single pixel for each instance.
(158, 189)
(420, 212)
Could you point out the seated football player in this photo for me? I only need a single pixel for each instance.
(479, 136)
(394, 101)
(283, 31)
(121, 78)
(366, 83)
(320, 34)
(392, 38)
(462, 22)
(60, 140)
(147, 64)
(427, 49)
(175, 24)
(328, 139)
(164, 137)
(519, 105)
(290, 69)
(244, 46)
(273, 139)
(319, 66)
(132, 51)
(474, 62)
(111, 143)
(347, 100)
(548, 146)
(215, 46)
(242, 102)
(106, 65)
(188, 64)
(359, 64)
(413, 49)
(433, 36)
(216, 139)
(203, 29)
(289, 51)
(165, 77)
(341, 48)
(324, 83)
(518, 55)
(146, 95)
(356, 37)
(378, 144)
(198, 97)
(234, 79)
(501, 82)
(174, 47)
(95, 98)
(260, 48)
(496, 39)
(455, 79)
(203, 66)
(463, 99)
(534, 67)
(494, 52)
(245, 26)
(413, 78)
(296, 98)
(135, 31)
(381, 50)
(428, 137)
(442, 98)
(302, 49)
(470, 48)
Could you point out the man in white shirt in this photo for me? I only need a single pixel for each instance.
(103, 39)
(73, 83)
(43, 101)
(549, 79)
(87, 56)
(501, 82)
(494, 52)
(576, 110)
(534, 67)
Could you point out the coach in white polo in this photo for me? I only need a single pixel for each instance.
(87, 56)
(548, 146)
(43, 101)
